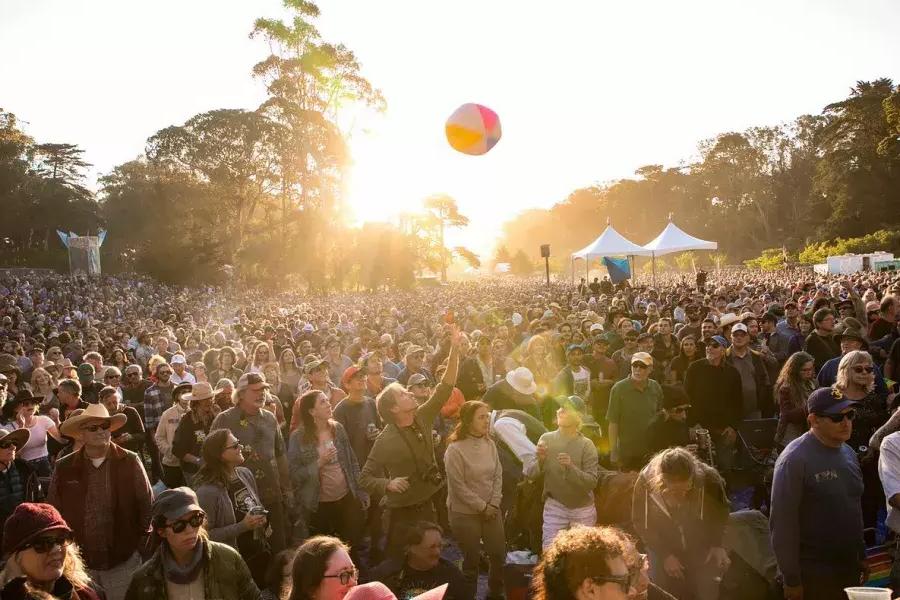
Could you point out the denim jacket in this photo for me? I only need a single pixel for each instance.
(303, 461)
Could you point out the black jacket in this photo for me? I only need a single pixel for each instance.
(715, 393)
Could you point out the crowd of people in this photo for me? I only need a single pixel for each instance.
(227, 443)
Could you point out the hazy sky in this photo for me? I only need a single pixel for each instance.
(586, 90)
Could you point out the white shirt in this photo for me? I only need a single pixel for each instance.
(186, 378)
(513, 434)
(889, 472)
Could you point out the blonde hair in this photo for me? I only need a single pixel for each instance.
(73, 569)
(850, 360)
(41, 371)
(154, 362)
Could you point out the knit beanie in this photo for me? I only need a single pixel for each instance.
(29, 520)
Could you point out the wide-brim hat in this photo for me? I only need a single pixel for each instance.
(852, 334)
(23, 396)
(8, 364)
(728, 319)
(18, 437)
(200, 391)
(71, 426)
(522, 380)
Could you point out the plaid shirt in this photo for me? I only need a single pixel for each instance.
(156, 400)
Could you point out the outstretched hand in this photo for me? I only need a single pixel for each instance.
(455, 335)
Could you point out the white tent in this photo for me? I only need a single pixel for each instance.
(611, 243)
(673, 239)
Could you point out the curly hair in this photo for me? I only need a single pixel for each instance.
(575, 555)
(850, 360)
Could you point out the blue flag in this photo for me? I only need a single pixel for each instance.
(618, 269)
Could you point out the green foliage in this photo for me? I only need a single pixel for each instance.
(771, 259)
(521, 264)
(881, 240)
(835, 174)
(684, 261)
(719, 259)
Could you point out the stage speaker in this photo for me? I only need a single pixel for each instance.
(545, 250)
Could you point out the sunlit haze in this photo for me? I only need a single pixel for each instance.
(587, 91)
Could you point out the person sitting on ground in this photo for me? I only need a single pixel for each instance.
(422, 568)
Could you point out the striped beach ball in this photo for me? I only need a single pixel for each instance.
(473, 129)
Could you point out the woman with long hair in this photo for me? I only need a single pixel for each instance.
(227, 359)
(688, 352)
(43, 386)
(539, 361)
(42, 557)
(187, 564)
(279, 576)
(259, 355)
(679, 510)
(35, 452)
(325, 471)
(290, 372)
(796, 381)
(118, 359)
(323, 570)
(200, 372)
(856, 381)
(228, 494)
(474, 491)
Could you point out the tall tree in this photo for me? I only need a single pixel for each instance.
(446, 213)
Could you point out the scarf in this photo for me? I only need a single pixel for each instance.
(183, 575)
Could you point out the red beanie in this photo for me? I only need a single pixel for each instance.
(28, 521)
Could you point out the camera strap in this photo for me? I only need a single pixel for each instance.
(412, 451)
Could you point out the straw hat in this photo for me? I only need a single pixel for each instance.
(200, 391)
(71, 426)
(18, 437)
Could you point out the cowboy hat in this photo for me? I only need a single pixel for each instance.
(71, 426)
(18, 437)
(23, 396)
(200, 391)
(728, 319)
(522, 380)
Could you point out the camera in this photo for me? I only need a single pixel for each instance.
(433, 476)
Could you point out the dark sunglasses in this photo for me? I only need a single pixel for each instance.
(6, 445)
(861, 369)
(680, 409)
(238, 446)
(639, 365)
(43, 545)
(95, 428)
(158, 373)
(344, 576)
(624, 581)
(849, 415)
(195, 521)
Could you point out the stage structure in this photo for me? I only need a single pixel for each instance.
(84, 252)
(673, 239)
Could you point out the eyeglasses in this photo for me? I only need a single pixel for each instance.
(114, 377)
(43, 545)
(159, 373)
(96, 427)
(238, 446)
(681, 409)
(849, 415)
(6, 445)
(861, 369)
(623, 581)
(344, 576)
(195, 521)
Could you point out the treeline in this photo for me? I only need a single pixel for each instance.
(230, 193)
(820, 177)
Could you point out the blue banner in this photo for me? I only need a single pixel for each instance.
(618, 268)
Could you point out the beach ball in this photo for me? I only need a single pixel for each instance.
(473, 129)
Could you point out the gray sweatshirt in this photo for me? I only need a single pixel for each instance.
(816, 516)
(571, 486)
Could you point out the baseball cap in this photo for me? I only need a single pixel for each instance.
(349, 373)
(248, 379)
(739, 327)
(828, 401)
(310, 366)
(719, 340)
(413, 349)
(86, 370)
(596, 327)
(178, 359)
(416, 379)
(642, 357)
(573, 347)
(175, 503)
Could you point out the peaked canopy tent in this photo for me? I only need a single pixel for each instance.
(674, 239)
(610, 243)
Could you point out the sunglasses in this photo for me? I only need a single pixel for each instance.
(163, 373)
(714, 345)
(344, 576)
(849, 415)
(43, 545)
(97, 427)
(195, 521)
(6, 445)
(861, 369)
(680, 409)
(238, 446)
(623, 581)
